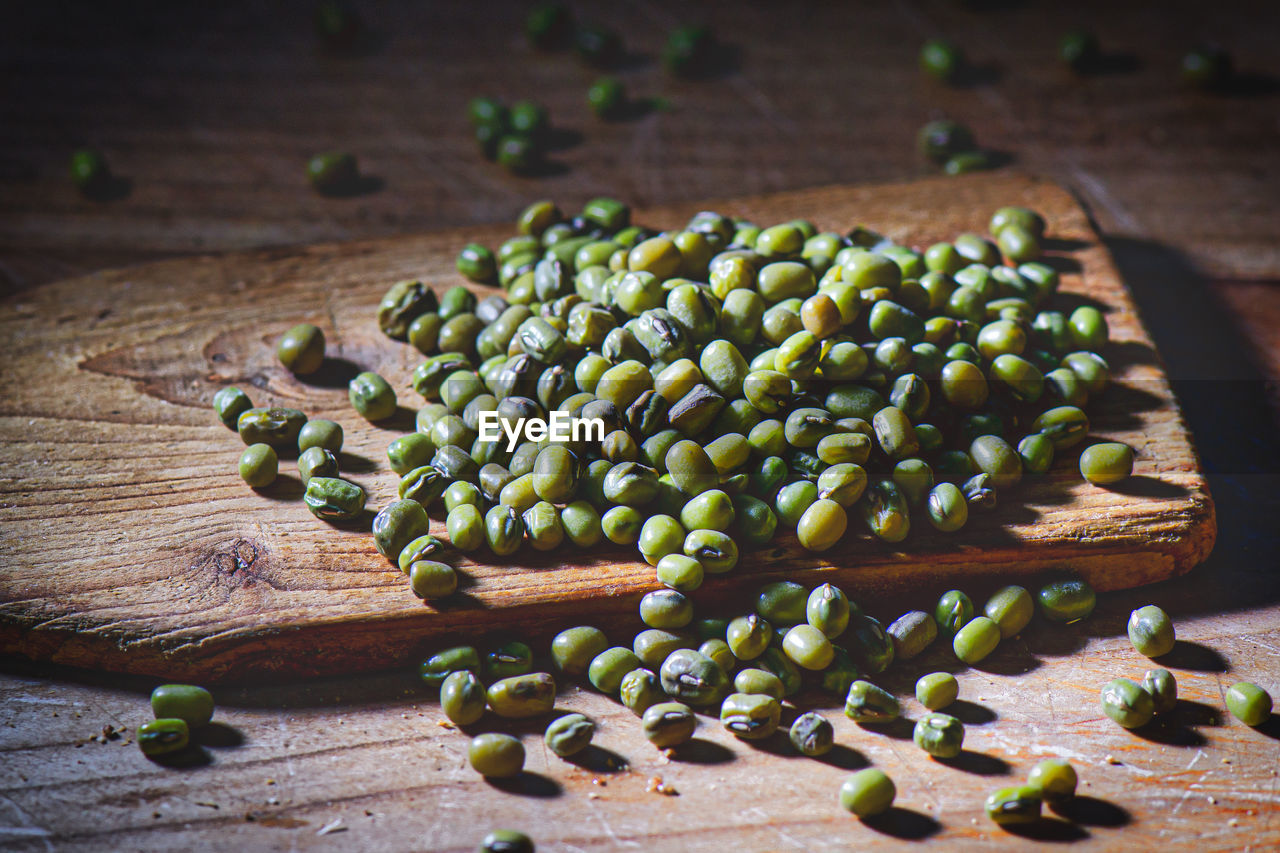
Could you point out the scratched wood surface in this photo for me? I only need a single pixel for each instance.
(372, 764)
(209, 110)
(238, 584)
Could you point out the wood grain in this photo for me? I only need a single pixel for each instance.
(377, 755)
(132, 544)
(211, 109)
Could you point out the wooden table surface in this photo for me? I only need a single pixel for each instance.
(209, 115)
(246, 584)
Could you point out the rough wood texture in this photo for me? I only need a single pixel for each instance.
(133, 545)
(209, 110)
(377, 756)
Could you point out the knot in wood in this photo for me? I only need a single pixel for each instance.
(233, 564)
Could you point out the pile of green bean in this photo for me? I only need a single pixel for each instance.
(750, 380)
(742, 380)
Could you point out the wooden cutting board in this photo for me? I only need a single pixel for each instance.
(129, 543)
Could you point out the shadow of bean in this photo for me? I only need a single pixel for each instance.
(1126, 399)
(361, 185)
(701, 751)
(1048, 829)
(1062, 264)
(1130, 397)
(1120, 353)
(544, 168)
(998, 158)
(598, 759)
(970, 713)
(635, 109)
(1091, 811)
(1175, 727)
(978, 763)
(403, 419)
(628, 60)
(1010, 662)
(844, 757)
(285, 487)
(457, 600)
(1109, 64)
(1188, 712)
(187, 758)
(1052, 639)
(1069, 301)
(1162, 731)
(109, 188)
(994, 158)
(1061, 244)
(1187, 654)
(362, 523)
(528, 784)
(898, 729)
(720, 60)
(1142, 486)
(560, 138)
(356, 464)
(334, 372)
(972, 75)
(465, 582)
(218, 736)
(1270, 727)
(491, 723)
(903, 823)
(776, 744)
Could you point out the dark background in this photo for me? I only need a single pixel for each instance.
(208, 113)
